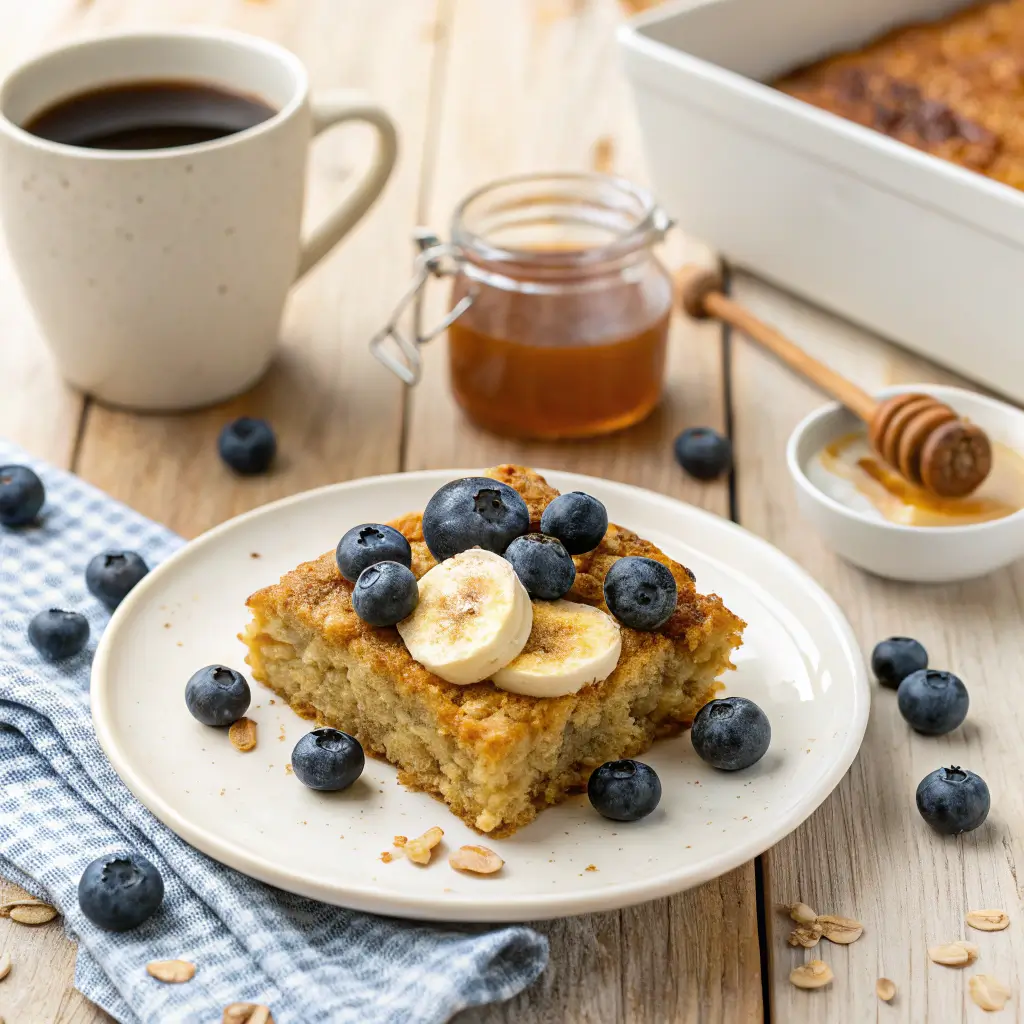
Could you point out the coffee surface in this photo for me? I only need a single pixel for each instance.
(148, 115)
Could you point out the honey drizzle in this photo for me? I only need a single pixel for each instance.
(900, 501)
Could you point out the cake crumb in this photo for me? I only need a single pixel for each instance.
(288, 769)
(400, 840)
(387, 857)
(167, 625)
(281, 734)
(242, 735)
(222, 792)
(271, 701)
(591, 867)
(179, 644)
(254, 554)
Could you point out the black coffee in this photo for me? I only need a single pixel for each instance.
(148, 115)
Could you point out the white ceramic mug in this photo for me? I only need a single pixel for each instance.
(159, 276)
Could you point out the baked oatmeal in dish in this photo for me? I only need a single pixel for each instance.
(953, 88)
(495, 757)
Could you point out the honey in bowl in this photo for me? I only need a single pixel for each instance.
(849, 470)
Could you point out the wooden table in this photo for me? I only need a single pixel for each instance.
(480, 89)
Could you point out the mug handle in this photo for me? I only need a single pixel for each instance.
(335, 109)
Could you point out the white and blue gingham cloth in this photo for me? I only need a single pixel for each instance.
(62, 805)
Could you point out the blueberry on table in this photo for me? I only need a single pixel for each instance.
(247, 445)
(475, 512)
(624, 790)
(21, 495)
(894, 659)
(112, 575)
(703, 453)
(640, 592)
(933, 703)
(543, 565)
(328, 759)
(217, 695)
(120, 891)
(577, 520)
(731, 733)
(953, 800)
(365, 545)
(385, 593)
(57, 634)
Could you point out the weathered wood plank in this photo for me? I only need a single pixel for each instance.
(866, 853)
(336, 410)
(535, 86)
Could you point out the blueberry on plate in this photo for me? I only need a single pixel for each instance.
(21, 495)
(247, 445)
(624, 790)
(577, 520)
(365, 545)
(328, 759)
(112, 575)
(57, 634)
(894, 659)
(385, 593)
(703, 453)
(474, 512)
(119, 891)
(217, 695)
(933, 703)
(640, 592)
(953, 800)
(731, 733)
(543, 565)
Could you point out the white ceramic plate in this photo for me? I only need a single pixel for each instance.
(799, 661)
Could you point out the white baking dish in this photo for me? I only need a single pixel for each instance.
(906, 244)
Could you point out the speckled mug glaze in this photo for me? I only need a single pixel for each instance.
(158, 277)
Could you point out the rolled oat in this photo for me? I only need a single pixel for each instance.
(813, 974)
(476, 859)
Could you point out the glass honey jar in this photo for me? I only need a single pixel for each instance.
(559, 311)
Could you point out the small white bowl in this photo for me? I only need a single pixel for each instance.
(919, 554)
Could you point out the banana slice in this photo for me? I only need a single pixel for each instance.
(473, 617)
(570, 645)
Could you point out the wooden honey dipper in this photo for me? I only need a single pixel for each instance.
(921, 437)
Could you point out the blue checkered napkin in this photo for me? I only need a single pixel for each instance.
(61, 805)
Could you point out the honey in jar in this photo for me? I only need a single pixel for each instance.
(565, 306)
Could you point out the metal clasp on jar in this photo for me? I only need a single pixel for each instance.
(391, 345)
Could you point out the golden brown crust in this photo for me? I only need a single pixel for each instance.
(953, 88)
(499, 728)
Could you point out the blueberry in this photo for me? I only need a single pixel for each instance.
(364, 545)
(577, 520)
(624, 790)
(474, 512)
(894, 659)
(216, 695)
(119, 891)
(21, 495)
(933, 703)
(247, 445)
(111, 575)
(543, 566)
(703, 453)
(328, 759)
(953, 800)
(640, 592)
(731, 733)
(385, 593)
(57, 634)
